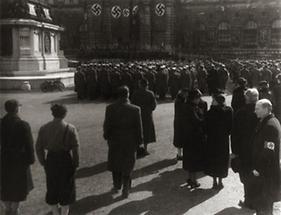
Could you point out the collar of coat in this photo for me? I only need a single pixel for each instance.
(263, 122)
(123, 100)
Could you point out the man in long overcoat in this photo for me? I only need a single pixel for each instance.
(243, 129)
(277, 97)
(123, 132)
(266, 158)
(17, 154)
(145, 99)
(238, 99)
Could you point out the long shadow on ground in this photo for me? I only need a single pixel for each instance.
(167, 197)
(234, 211)
(147, 170)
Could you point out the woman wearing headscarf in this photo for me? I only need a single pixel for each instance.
(218, 128)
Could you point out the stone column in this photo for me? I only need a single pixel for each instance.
(170, 25)
(107, 25)
(145, 25)
(15, 35)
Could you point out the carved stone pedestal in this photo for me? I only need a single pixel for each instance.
(30, 52)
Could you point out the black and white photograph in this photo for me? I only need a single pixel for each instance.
(140, 107)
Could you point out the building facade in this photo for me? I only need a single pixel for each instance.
(221, 27)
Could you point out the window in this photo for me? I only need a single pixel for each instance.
(250, 34)
(201, 35)
(224, 34)
(47, 43)
(276, 33)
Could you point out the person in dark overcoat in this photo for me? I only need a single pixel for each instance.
(145, 99)
(92, 84)
(238, 99)
(212, 80)
(185, 78)
(123, 132)
(218, 128)
(179, 120)
(17, 155)
(266, 159)
(174, 83)
(60, 140)
(162, 83)
(80, 83)
(193, 148)
(276, 91)
(265, 92)
(243, 129)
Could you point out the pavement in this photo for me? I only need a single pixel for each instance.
(158, 180)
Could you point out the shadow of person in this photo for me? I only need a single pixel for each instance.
(153, 168)
(235, 211)
(90, 171)
(92, 203)
(167, 197)
(147, 170)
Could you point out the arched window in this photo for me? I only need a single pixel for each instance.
(224, 34)
(276, 33)
(250, 34)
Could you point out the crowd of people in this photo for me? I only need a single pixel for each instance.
(201, 135)
(100, 79)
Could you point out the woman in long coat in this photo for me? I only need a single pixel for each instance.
(179, 132)
(193, 148)
(17, 154)
(218, 128)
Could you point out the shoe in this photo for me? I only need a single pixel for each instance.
(220, 186)
(245, 204)
(215, 186)
(189, 182)
(146, 153)
(195, 185)
(179, 158)
(125, 194)
(114, 190)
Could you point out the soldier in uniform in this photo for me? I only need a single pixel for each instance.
(80, 83)
(162, 83)
(104, 82)
(212, 80)
(185, 78)
(174, 83)
(202, 78)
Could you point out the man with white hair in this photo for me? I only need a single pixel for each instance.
(244, 124)
(266, 159)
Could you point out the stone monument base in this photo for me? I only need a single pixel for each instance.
(65, 75)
